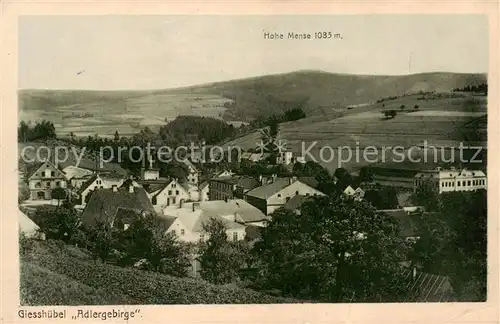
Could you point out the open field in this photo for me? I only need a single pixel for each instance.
(318, 93)
(462, 119)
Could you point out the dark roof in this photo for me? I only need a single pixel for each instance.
(164, 221)
(104, 203)
(310, 181)
(426, 287)
(409, 224)
(87, 183)
(295, 202)
(253, 233)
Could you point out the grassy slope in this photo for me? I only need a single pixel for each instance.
(55, 274)
(364, 126)
(318, 91)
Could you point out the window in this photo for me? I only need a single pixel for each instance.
(235, 236)
(47, 184)
(52, 174)
(458, 183)
(297, 192)
(58, 183)
(442, 184)
(463, 183)
(170, 192)
(468, 182)
(279, 195)
(182, 231)
(38, 184)
(173, 200)
(154, 201)
(177, 192)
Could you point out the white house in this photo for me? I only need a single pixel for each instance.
(279, 191)
(204, 191)
(285, 158)
(46, 178)
(172, 194)
(451, 180)
(357, 193)
(193, 176)
(188, 224)
(98, 181)
(76, 176)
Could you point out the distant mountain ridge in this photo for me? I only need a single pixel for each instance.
(317, 92)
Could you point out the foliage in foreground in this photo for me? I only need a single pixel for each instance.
(337, 249)
(75, 270)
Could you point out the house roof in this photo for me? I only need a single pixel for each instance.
(295, 202)
(104, 203)
(26, 225)
(240, 181)
(310, 181)
(267, 190)
(243, 211)
(105, 177)
(246, 212)
(38, 166)
(194, 221)
(72, 171)
(426, 287)
(204, 184)
(253, 233)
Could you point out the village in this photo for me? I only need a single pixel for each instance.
(243, 203)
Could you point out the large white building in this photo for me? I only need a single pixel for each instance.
(451, 180)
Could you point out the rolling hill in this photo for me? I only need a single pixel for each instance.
(319, 93)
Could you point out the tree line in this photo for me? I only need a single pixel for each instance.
(43, 130)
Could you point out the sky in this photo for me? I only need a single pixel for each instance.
(159, 52)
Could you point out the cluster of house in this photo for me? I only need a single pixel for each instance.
(239, 201)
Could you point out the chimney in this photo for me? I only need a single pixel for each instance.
(195, 205)
(274, 178)
(115, 188)
(131, 188)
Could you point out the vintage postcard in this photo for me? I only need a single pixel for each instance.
(297, 163)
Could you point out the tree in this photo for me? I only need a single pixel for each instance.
(218, 256)
(344, 178)
(427, 196)
(145, 239)
(366, 174)
(337, 250)
(454, 243)
(102, 238)
(59, 194)
(58, 223)
(23, 192)
(390, 114)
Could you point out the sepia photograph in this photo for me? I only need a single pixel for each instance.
(252, 159)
